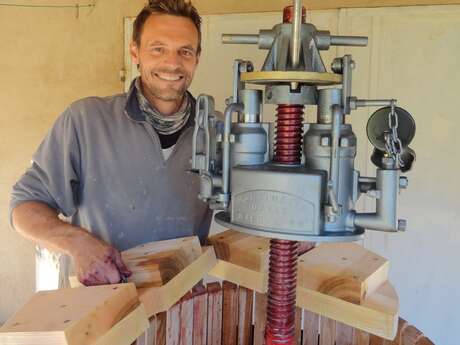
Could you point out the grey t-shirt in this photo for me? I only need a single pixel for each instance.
(102, 165)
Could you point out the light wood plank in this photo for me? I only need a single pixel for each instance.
(243, 250)
(237, 6)
(200, 310)
(360, 337)
(410, 336)
(158, 299)
(127, 330)
(402, 324)
(155, 264)
(260, 318)
(310, 328)
(374, 340)
(160, 326)
(173, 325)
(230, 314)
(298, 326)
(186, 320)
(343, 270)
(239, 275)
(327, 331)
(245, 299)
(214, 314)
(343, 334)
(70, 316)
(377, 315)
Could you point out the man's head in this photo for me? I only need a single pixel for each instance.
(166, 46)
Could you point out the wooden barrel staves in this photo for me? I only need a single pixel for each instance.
(227, 314)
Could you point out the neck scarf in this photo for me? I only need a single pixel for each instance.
(164, 125)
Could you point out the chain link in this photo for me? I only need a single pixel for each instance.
(392, 142)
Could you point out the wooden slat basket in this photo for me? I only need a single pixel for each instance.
(227, 314)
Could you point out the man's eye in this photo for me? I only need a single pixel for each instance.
(157, 49)
(187, 53)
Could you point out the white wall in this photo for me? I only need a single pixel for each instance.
(412, 56)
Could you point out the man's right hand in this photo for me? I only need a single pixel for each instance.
(97, 263)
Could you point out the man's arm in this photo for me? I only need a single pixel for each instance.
(95, 261)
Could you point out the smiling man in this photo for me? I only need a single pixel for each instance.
(116, 166)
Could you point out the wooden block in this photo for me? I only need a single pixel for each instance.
(159, 299)
(245, 298)
(229, 314)
(160, 326)
(186, 320)
(70, 316)
(327, 331)
(155, 264)
(343, 270)
(377, 315)
(310, 328)
(173, 325)
(214, 314)
(243, 250)
(239, 275)
(200, 311)
(127, 330)
(360, 337)
(343, 334)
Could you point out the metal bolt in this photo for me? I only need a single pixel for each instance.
(337, 65)
(325, 141)
(403, 182)
(402, 224)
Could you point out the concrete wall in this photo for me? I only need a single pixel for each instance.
(48, 58)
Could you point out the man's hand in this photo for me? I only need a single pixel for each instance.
(97, 263)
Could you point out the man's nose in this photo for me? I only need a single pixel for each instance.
(173, 59)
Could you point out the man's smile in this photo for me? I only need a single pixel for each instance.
(168, 76)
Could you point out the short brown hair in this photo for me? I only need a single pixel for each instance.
(180, 8)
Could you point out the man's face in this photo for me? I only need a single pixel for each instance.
(167, 57)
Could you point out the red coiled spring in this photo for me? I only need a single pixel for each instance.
(288, 141)
(282, 279)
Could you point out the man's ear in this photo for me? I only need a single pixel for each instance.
(134, 51)
(198, 58)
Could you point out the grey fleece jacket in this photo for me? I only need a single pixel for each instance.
(101, 164)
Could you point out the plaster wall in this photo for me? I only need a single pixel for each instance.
(48, 58)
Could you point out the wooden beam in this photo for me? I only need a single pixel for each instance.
(344, 270)
(158, 299)
(128, 329)
(71, 316)
(378, 314)
(330, 278)
(239, 6)
(155, 264)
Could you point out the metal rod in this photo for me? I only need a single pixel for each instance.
(231, 108)
(374, 102)
(296, 25)
(352, 41)
(240, 39)
(337, 116)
